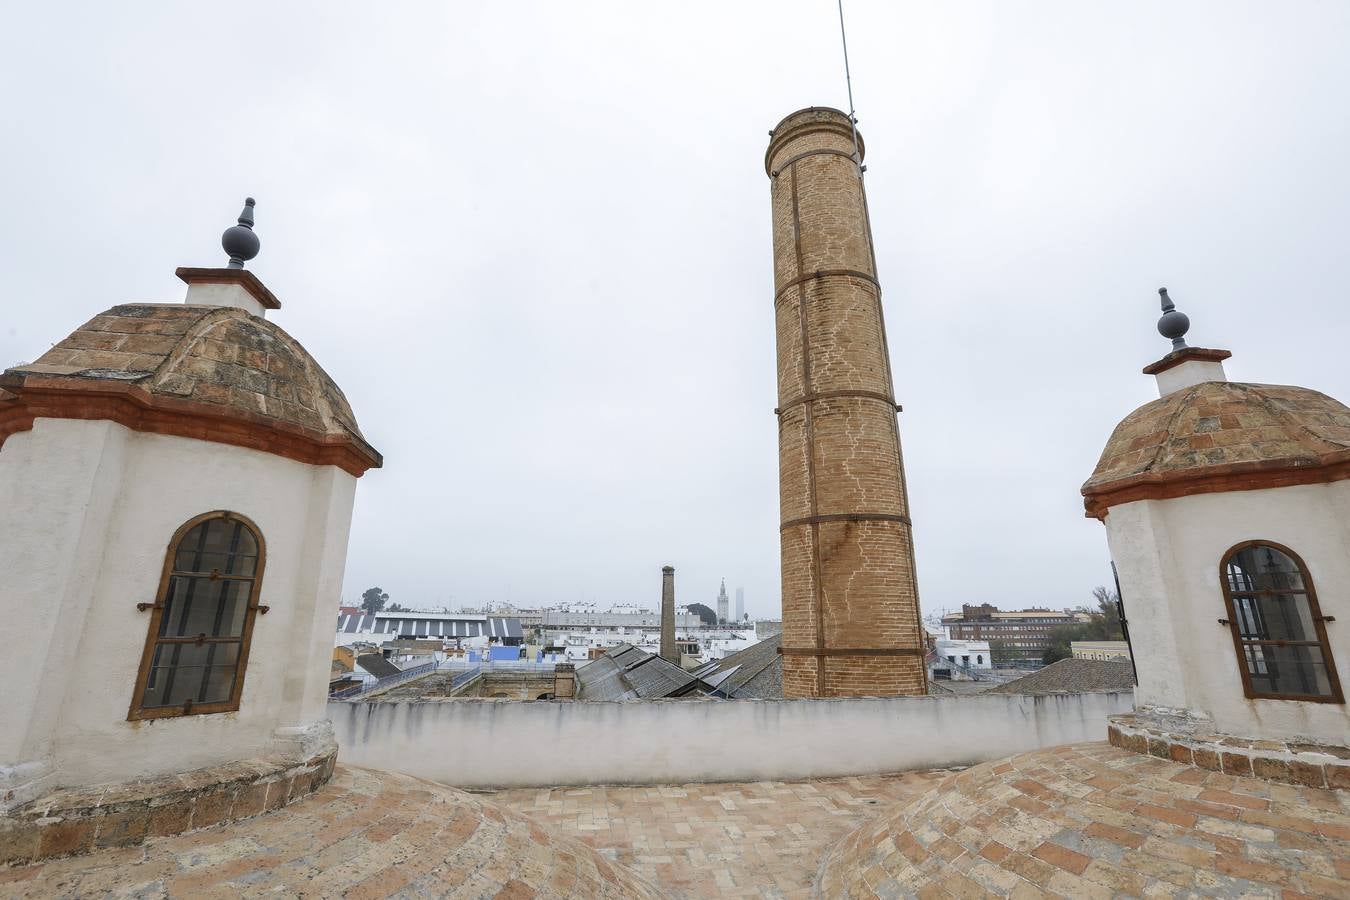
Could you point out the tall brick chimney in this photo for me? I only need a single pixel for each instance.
(669, 651)
(850, 600)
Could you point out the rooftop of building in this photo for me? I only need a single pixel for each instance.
(753, 673)
(626, 672)
(1073, 676)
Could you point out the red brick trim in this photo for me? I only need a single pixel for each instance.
(1177, 357)
(845, 517)
(850, 651)
(833, 395)
(242, 277)
(135, 408)
(826, 273)
(1243, 476)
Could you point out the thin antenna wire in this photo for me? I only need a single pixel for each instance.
(848, 80)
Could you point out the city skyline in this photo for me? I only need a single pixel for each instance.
(562, 337)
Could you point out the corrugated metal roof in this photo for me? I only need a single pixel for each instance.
(756, 671)
(431, 626)
(628, 673)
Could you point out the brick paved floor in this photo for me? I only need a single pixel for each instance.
(760, 839)
(363, 835)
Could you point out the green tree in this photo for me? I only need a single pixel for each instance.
(373, 600)
(394, 607)
(1103, 624)
(1001, 653)
(703, 612)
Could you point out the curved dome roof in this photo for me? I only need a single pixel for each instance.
(1222, 436)
(196, 371)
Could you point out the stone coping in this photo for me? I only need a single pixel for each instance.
(1289, 762)
(73, 821)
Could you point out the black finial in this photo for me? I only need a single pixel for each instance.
(239, 240)
(1173, 325)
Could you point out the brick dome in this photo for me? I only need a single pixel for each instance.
(1092, 820)
(209, 372)
(1221, 436)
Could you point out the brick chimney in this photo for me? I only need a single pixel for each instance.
(850, 600)
(669, 651)
(564, 681)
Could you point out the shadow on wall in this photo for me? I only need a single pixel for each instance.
(545, 744)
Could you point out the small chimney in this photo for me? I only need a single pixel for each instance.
(232, 285)
(564, 681)
(1185, 366)
(669, 652)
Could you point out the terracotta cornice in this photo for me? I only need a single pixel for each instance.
(1186, 354)
(132, 406)
(242, 277)
(1243, 476)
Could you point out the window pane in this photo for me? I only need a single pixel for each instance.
(198, 605)
(1263, 568)
(1288, 670)
(1274, 617)
(203, 673)
(221, 545)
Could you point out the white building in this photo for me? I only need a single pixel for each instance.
(1227, 511)
(962, 658)
(177, 483)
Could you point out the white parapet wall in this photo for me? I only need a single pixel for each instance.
(506, 744)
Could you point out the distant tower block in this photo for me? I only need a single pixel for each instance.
(740, 603)
(850, 601)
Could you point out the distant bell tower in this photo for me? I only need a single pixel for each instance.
(722, 602)
(850, 600)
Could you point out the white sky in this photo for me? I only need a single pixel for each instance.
(531, 242)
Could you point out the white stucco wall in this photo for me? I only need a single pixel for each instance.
(1167, 553)
(89, 509)
(486, 743)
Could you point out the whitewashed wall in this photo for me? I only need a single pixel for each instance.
(488, 744)
(89, 508)
(1168, 552)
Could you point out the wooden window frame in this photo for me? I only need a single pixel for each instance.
(1309, 592)
(137, 711)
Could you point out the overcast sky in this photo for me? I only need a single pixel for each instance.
(531, 243)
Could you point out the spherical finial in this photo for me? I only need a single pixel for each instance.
(239, 240)
(1173, 325)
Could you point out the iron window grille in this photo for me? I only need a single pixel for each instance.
(201, 625)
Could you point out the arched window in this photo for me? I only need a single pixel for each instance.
(1278, 629)
(197, 646)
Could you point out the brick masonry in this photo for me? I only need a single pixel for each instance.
(361, 836)
(73, 822)
(1310, 765)
(1092, 820)
(848, 576)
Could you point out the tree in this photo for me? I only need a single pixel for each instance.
(373, 600)
(394, 607)
(707, 615)
(1001, 653)
(1103, 624)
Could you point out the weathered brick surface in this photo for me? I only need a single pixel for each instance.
(1310, 765)
(848, 583)
(1098, 820)
(364, 834)
(76, 821)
